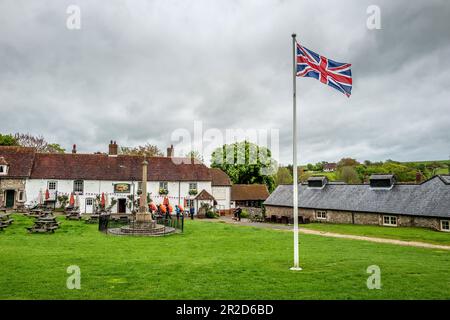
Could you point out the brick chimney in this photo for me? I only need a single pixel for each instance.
(113, 149)
(418, 177)
(74, 149)
(170, 151)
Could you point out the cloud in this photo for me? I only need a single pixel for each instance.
(138, 70)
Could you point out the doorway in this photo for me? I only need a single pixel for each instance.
(10, 195)
(121, 205)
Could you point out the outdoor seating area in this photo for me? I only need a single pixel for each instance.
(5, 219)
(44, 224)
(73, 214)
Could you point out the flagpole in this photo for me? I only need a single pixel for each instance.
(296, 266)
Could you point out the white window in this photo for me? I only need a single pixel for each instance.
(390, 220)
(193, 186)
(445, 225)
(52, 185)
(89, 201)
(3, 170)
(189, 203)
(78, 186)
(21, 196)
(321, 215)
(163, 185)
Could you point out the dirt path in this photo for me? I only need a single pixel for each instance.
(417, 244)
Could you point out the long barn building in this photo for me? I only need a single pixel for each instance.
(381, 202)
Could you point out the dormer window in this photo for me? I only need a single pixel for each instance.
(382, 181)
(318, 182)
(3, 166)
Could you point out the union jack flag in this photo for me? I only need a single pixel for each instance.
(336, 74)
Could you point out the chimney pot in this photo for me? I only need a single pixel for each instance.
(74, 148)
(113, 148)
(170, 151)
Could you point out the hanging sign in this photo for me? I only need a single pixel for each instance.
(122, 188)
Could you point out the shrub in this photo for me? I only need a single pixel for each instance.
(244, 214)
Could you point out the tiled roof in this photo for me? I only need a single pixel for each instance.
(219, 178)
(116, 168)
(430, 198)
(242, 192)
(19, 159)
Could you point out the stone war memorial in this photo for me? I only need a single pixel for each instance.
(143, 224)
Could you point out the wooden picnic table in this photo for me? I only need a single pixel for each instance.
(93, 218)
(5, 220)
(44, 224)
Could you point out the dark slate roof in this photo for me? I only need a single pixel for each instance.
(381, 176)
(430, 198)
(19, 159)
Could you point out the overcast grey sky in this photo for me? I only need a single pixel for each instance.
(138, 70)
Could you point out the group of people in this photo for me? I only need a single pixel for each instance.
(167, 209)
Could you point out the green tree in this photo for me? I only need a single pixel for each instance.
(348, 174)
(283, 176)
(147, 150)
(246, 163)
(347, 162)
(56, 148)
(8, 140)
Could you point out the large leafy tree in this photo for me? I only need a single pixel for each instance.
(246, 163)
(283, 176)
(147, 150)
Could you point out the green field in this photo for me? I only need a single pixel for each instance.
(398, 233)
(211, 261)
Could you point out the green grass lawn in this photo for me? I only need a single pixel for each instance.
(211, 261)
(399, 233)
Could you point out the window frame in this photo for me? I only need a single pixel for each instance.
(164, 185)
(390, 219)
(91, 200)
(52, 182)
(75, 182)
(321, 215)
(21, 196)
(193, 184)
(448, 224)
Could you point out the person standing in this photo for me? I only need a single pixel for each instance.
(192, 211)
(177, 211)
(238, 212)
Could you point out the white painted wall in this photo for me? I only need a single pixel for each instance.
(223, 196)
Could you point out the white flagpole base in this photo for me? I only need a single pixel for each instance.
(296, 269)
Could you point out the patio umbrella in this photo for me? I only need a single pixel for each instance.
(40, 197)
(163, 208)
(77, 201)
(103, 200)
(170, 208)
(166, 201)
(71, 200)
(47, 195)
(152, 207)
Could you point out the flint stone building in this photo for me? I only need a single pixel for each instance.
(381, 202)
